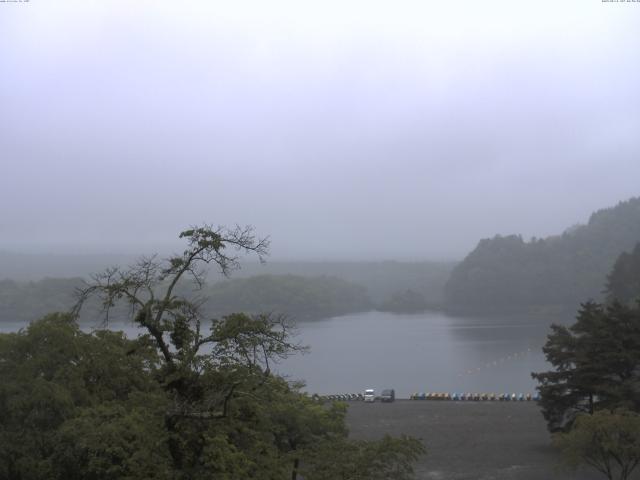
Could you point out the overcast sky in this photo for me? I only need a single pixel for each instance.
(346, 129)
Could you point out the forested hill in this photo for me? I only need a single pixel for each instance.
(304, 298)
(506, 272)
(295, 296)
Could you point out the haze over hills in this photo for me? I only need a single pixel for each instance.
(503, 273)
(303, 298)
(507, 272)
(302, 290)
(23, 267)
(382, 279)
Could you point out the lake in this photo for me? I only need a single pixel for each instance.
(420, 353)
(427, 352)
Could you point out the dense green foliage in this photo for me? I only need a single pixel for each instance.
(509, 273)
(390, 458)
(595, 364)
(298, 297)
(623, 283)
(177, 403)
(76, 405)
(607, 441)
(591, 400)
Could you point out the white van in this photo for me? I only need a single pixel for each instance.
(369, 395)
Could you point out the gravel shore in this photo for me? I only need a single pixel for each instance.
(468, 440)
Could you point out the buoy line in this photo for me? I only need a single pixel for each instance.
(495, 363)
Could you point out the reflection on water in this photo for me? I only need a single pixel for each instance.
(430, 352)
(420, 353)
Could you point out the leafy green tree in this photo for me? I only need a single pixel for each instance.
(607, 441)
(201, 385)
(623, 283)
(77, 405)
(225, 414)
(301, 424)
(113, 440)
(387, 458)
(54, 376)
(595, 364)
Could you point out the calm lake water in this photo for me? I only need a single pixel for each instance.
(420, 353)
(428, 352)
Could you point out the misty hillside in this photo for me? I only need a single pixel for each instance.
(24, 302)
(23, 267)
(382, 280)
(299, 297)
(506, 272)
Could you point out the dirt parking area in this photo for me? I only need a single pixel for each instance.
(468, 440)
